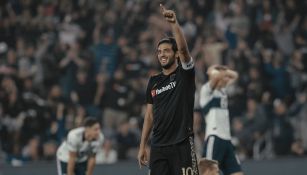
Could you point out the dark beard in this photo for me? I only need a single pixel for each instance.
(169, 64)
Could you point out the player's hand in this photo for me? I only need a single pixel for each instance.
(142, 157)
(221, 68)
(211, 69)
(169, 15)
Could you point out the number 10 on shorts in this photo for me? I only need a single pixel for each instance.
(187, 171)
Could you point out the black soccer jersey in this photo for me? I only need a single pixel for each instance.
(172, 97)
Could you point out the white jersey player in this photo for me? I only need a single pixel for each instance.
(76, 155)
(214, 104)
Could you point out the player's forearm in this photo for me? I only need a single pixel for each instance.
(91, 165)
(71, 162)
(147, 126)
(216, 78)
(231, 74)
(70, 167)
(181, 43)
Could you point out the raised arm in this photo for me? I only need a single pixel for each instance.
(215, 75)
(147, 126)
(221, 76)
(231, 75)
(183, 49)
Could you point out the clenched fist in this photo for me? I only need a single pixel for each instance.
(169, 15)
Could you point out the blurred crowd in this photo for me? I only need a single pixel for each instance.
(64, 60)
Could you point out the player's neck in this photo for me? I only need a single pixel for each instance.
(86, 136)
(170, 69)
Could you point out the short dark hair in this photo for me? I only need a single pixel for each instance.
(90, 121)
(169, 40)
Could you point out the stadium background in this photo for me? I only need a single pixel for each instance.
(61, 61)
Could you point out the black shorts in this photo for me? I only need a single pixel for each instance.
(178, 159)
(223, 151)
(80, 168)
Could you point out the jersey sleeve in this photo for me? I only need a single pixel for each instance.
(72, 142)
(188, 69)
(189, 65)
(149, 92)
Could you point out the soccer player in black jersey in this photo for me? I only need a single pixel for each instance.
(169, 114)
